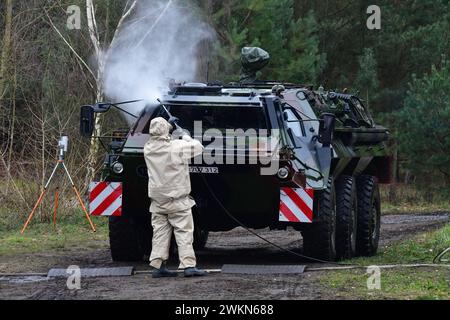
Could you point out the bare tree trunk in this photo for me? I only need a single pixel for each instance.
(94, 147)
(4, 59)
(93, 33)
(12, 122)
(41, 216)
(6, 48)
(396, 167)
(101, 57)
(106, 36)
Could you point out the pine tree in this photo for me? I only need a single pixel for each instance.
(305, 62)
(424, 133)
(367, 80)
(293, 44)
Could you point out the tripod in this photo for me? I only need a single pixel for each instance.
(62, 150)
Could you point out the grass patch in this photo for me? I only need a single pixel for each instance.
(71, 232)
(420, 249)
(415, 208)
(405, 284)
(405, 199)
(402, 283)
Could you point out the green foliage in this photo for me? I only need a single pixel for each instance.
(367, 78)
(305, 63)
(424, 133)
(292, 43)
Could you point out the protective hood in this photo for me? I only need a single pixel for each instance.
(159, 127)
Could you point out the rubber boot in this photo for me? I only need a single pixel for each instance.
(163, 272)
(194, 272)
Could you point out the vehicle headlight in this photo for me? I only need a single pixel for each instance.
(117, 167)
(283, 173)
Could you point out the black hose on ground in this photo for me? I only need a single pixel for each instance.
(438, 257)
(261, 237)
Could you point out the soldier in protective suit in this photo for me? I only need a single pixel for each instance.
(169, 187)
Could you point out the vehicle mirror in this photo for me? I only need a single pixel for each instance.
(101, 107)
(326, 128)
(86, 121)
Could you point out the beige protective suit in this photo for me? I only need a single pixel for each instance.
(169, 187)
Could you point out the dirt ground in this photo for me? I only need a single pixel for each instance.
(234, 247)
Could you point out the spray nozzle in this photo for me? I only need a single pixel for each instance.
(172, 120)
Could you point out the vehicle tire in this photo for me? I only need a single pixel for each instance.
(200, 238)
(143, 226)
(346, 219)
(130, 238)
(368, 216)
(200, 233)
(319, 238)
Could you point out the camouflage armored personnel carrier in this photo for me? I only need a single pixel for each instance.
(277, 155)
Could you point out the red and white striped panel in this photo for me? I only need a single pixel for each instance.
(296, 205)
(105, 198)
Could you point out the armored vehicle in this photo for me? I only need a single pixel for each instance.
(277, 155)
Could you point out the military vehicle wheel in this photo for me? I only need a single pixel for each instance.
(200, 234)
(346, 208)
(320, 237)
(130, 238)
(368, 216)
(200, 238)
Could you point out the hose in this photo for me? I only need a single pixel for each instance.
(261, 237)
(439, 256)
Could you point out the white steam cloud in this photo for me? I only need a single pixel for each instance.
(159, 42)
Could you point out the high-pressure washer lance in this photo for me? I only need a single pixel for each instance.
(172, 120)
